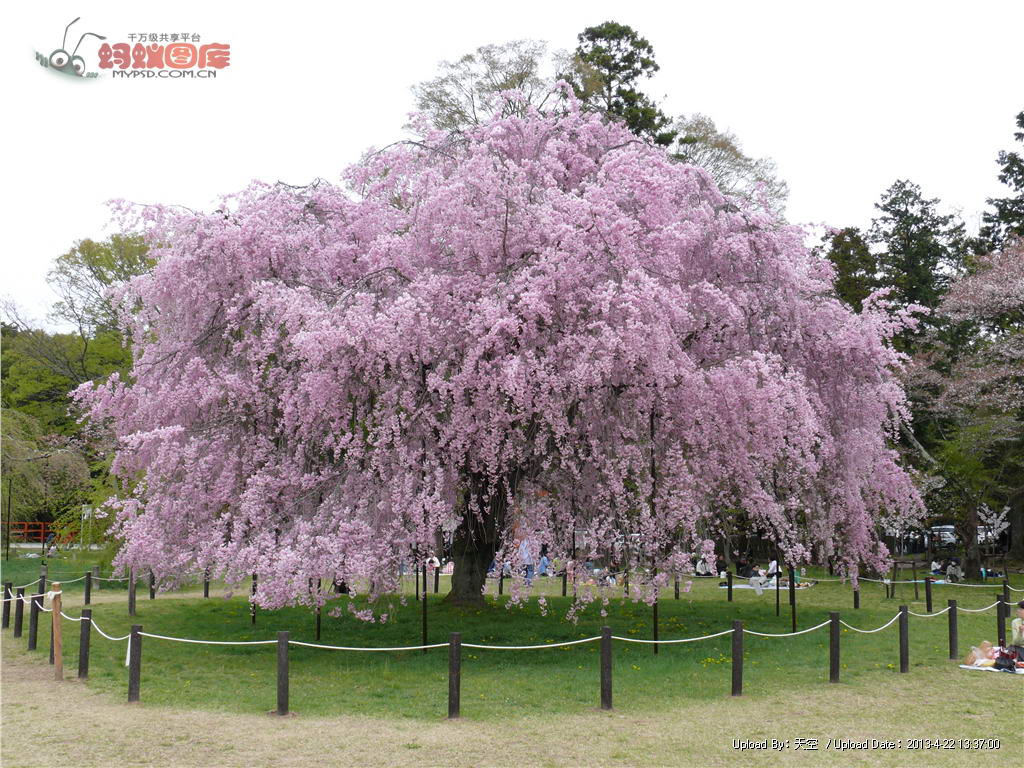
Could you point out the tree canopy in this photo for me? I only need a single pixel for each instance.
(540, 328)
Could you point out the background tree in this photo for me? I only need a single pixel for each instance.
(546, 329)
(1007, 220)
(610, 61)
(700, 143)
(855, 265)
(468, 91)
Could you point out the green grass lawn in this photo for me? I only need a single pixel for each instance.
(499, 684)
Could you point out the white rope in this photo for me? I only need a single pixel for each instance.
(71, 618)
(1014, 588)
(975, 586)
(978, 610)
(115, 639)
(788, 634)
(870, 631)
(928, 615)
(101, 578)
(345, 648)
(67, 581)
(209, 642)
(529, 647)
(668, 642)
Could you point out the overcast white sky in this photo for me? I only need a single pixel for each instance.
(846, 97)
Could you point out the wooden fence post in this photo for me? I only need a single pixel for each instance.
(84, 636)
(282, 673)
(56, 633)
(1006, 597)
(19, 611)
(904, 640)
(96, 576)
(953, 639)
(1001, 619)
(737, 658)
(437, 580)
(856, 599)
(417, 570)
(134, 662)
(677, 587)
(728, 584)
(778, 582)
(565, 579)
(654, 611)
(88, 587)
(152, 585)
(252, 601)
(501, 580)
(8, 599)
(424, 607)
(833, 647)
(913, 575)
(42, 580)
(606, 668)
(206, 582)
(131, 591)
(792, 596)
(33, 620)
(454, 674)
(928, 594)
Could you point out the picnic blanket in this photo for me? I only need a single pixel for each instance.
(989, 669)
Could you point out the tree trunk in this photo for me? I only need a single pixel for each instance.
(972, 554)
(477, 538)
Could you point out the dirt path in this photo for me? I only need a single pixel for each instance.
(46, 723)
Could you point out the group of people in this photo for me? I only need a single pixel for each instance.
(1008, 659)
(948, 567)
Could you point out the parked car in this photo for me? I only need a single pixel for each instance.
(942, 536)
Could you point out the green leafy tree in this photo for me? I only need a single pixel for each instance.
(1007, 220)
(611, 60)
(856, 266)
(920, 251)
(699, 142)
(468, 91)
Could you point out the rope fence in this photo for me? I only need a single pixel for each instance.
(133, 650)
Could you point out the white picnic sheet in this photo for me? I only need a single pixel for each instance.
(988, 669)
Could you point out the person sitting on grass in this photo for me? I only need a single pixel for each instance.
(954, 572)
(1017, 633)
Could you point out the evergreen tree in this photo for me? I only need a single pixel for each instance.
(856, 266)
(1008, 218)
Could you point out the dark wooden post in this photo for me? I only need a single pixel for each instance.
(856, 598)
(913, 575)
(454, 674)
(904, 640)
(728, 584)
(33, 620)
(206, 582)
(928, 594)
(778, 583)
(953, 639)
(8, 599)
(134, 662)
(19, 611)
(152, 586)
(424, 607)
(677, 587)
(83, 643)
(56, 636)
(833, 647)
(252, 600)
(565, 579)
(88, 587)
(1001, 610)
(501, 580)
(606, 667)
(131, 591)
(1006, 598)
(437, 580)
(318, 610)
(654, 611)
(892, 581)
(417, 570)
(96, 576)
(737, 658)
(792, 596)
(42, 580)
(625, 583)
(282, 673)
